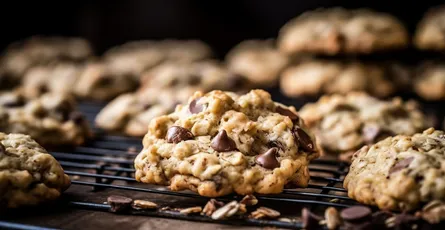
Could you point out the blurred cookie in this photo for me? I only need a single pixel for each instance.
(429, 82)
(51, 119)
(337, 31)
(430, 32)
(258, 61)
(344, 123)
(316, 77)
(29, 175)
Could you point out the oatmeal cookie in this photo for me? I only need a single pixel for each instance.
(430, 32)
(429, 82)
(258, 61)
(50, 119)
(399, 173)
(316, 77)
(28, 174)
(221, 142)
(336, 30)
(344, 123)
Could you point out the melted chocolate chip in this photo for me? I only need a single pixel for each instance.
(356, 213)
(77, 117)
(194, 107)
(222, 142)
(268, 159)
(119, 203)
(285, 112)
(401, 165)
(303, 139)
(276, 144)
(310, 220)
(176, 134)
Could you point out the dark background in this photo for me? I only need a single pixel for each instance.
(222, 24)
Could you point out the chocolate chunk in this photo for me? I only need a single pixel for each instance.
(176, 134)
(401, 165)
(367, 225)
(194, 107)
(310, 220)
(285, 112)
(356, 213)
(222, 143)
(276, 144)
(268, 159)
(405, 221)
(303, 139)
(379, 219)
(2, 149)
(77, 117)
(119, 203)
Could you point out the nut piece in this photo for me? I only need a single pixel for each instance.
(143, 204)
(211, 207)
(263, 212)
(433, 212)
(332, 217)
(191, 210)
(226, 211)
(119, 203)
(242, 209)
(249, 200)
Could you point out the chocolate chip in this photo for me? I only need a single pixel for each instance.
(105, 80)
(77, 117)
(310, 220)
(176, 134)
(194, 107)
(194, 80)
(303, 139)
(276, 144)
(373, 134)
(2, 149)
(401, 165)
(356, 213)
(237, 81)
(405, 221)
(379, 219)
(285, 112)
(222, 143)
(268, 159)
(367, 225)
(20, 101)
(119, 203)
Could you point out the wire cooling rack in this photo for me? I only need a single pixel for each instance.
(106, 163)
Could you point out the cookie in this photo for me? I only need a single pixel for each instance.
(162, 89)
(220, 142)
(430, 32)
(341, 31)
(318, 76)
(344, 123)
(28, 174)
(57, 77)
(399, 173)
(258, 61)
(429, 82)
(50, 119)
(39, 50)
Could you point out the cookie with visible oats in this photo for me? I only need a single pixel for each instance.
(220, 142)
(399, 173)
(341, 31)
(28, 174)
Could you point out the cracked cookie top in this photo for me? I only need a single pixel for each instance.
(221, 142)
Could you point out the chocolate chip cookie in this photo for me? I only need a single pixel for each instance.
(28, 174)
(344, 123)
(162, 89)
(430, 32)
(50, 119)
(222, 142)
(341, 31)
(258, 61)
(429, 81)
(399, 173)
(319, 76)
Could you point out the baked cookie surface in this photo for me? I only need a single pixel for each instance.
(430, 32)
(344, 123)
(317, 77)
(429, 82)
(258, 61)
(399, 173)
(336, 30)
(28, 174)
(221, 142)
(50, 119)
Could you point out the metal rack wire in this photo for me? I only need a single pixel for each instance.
(106, 163)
